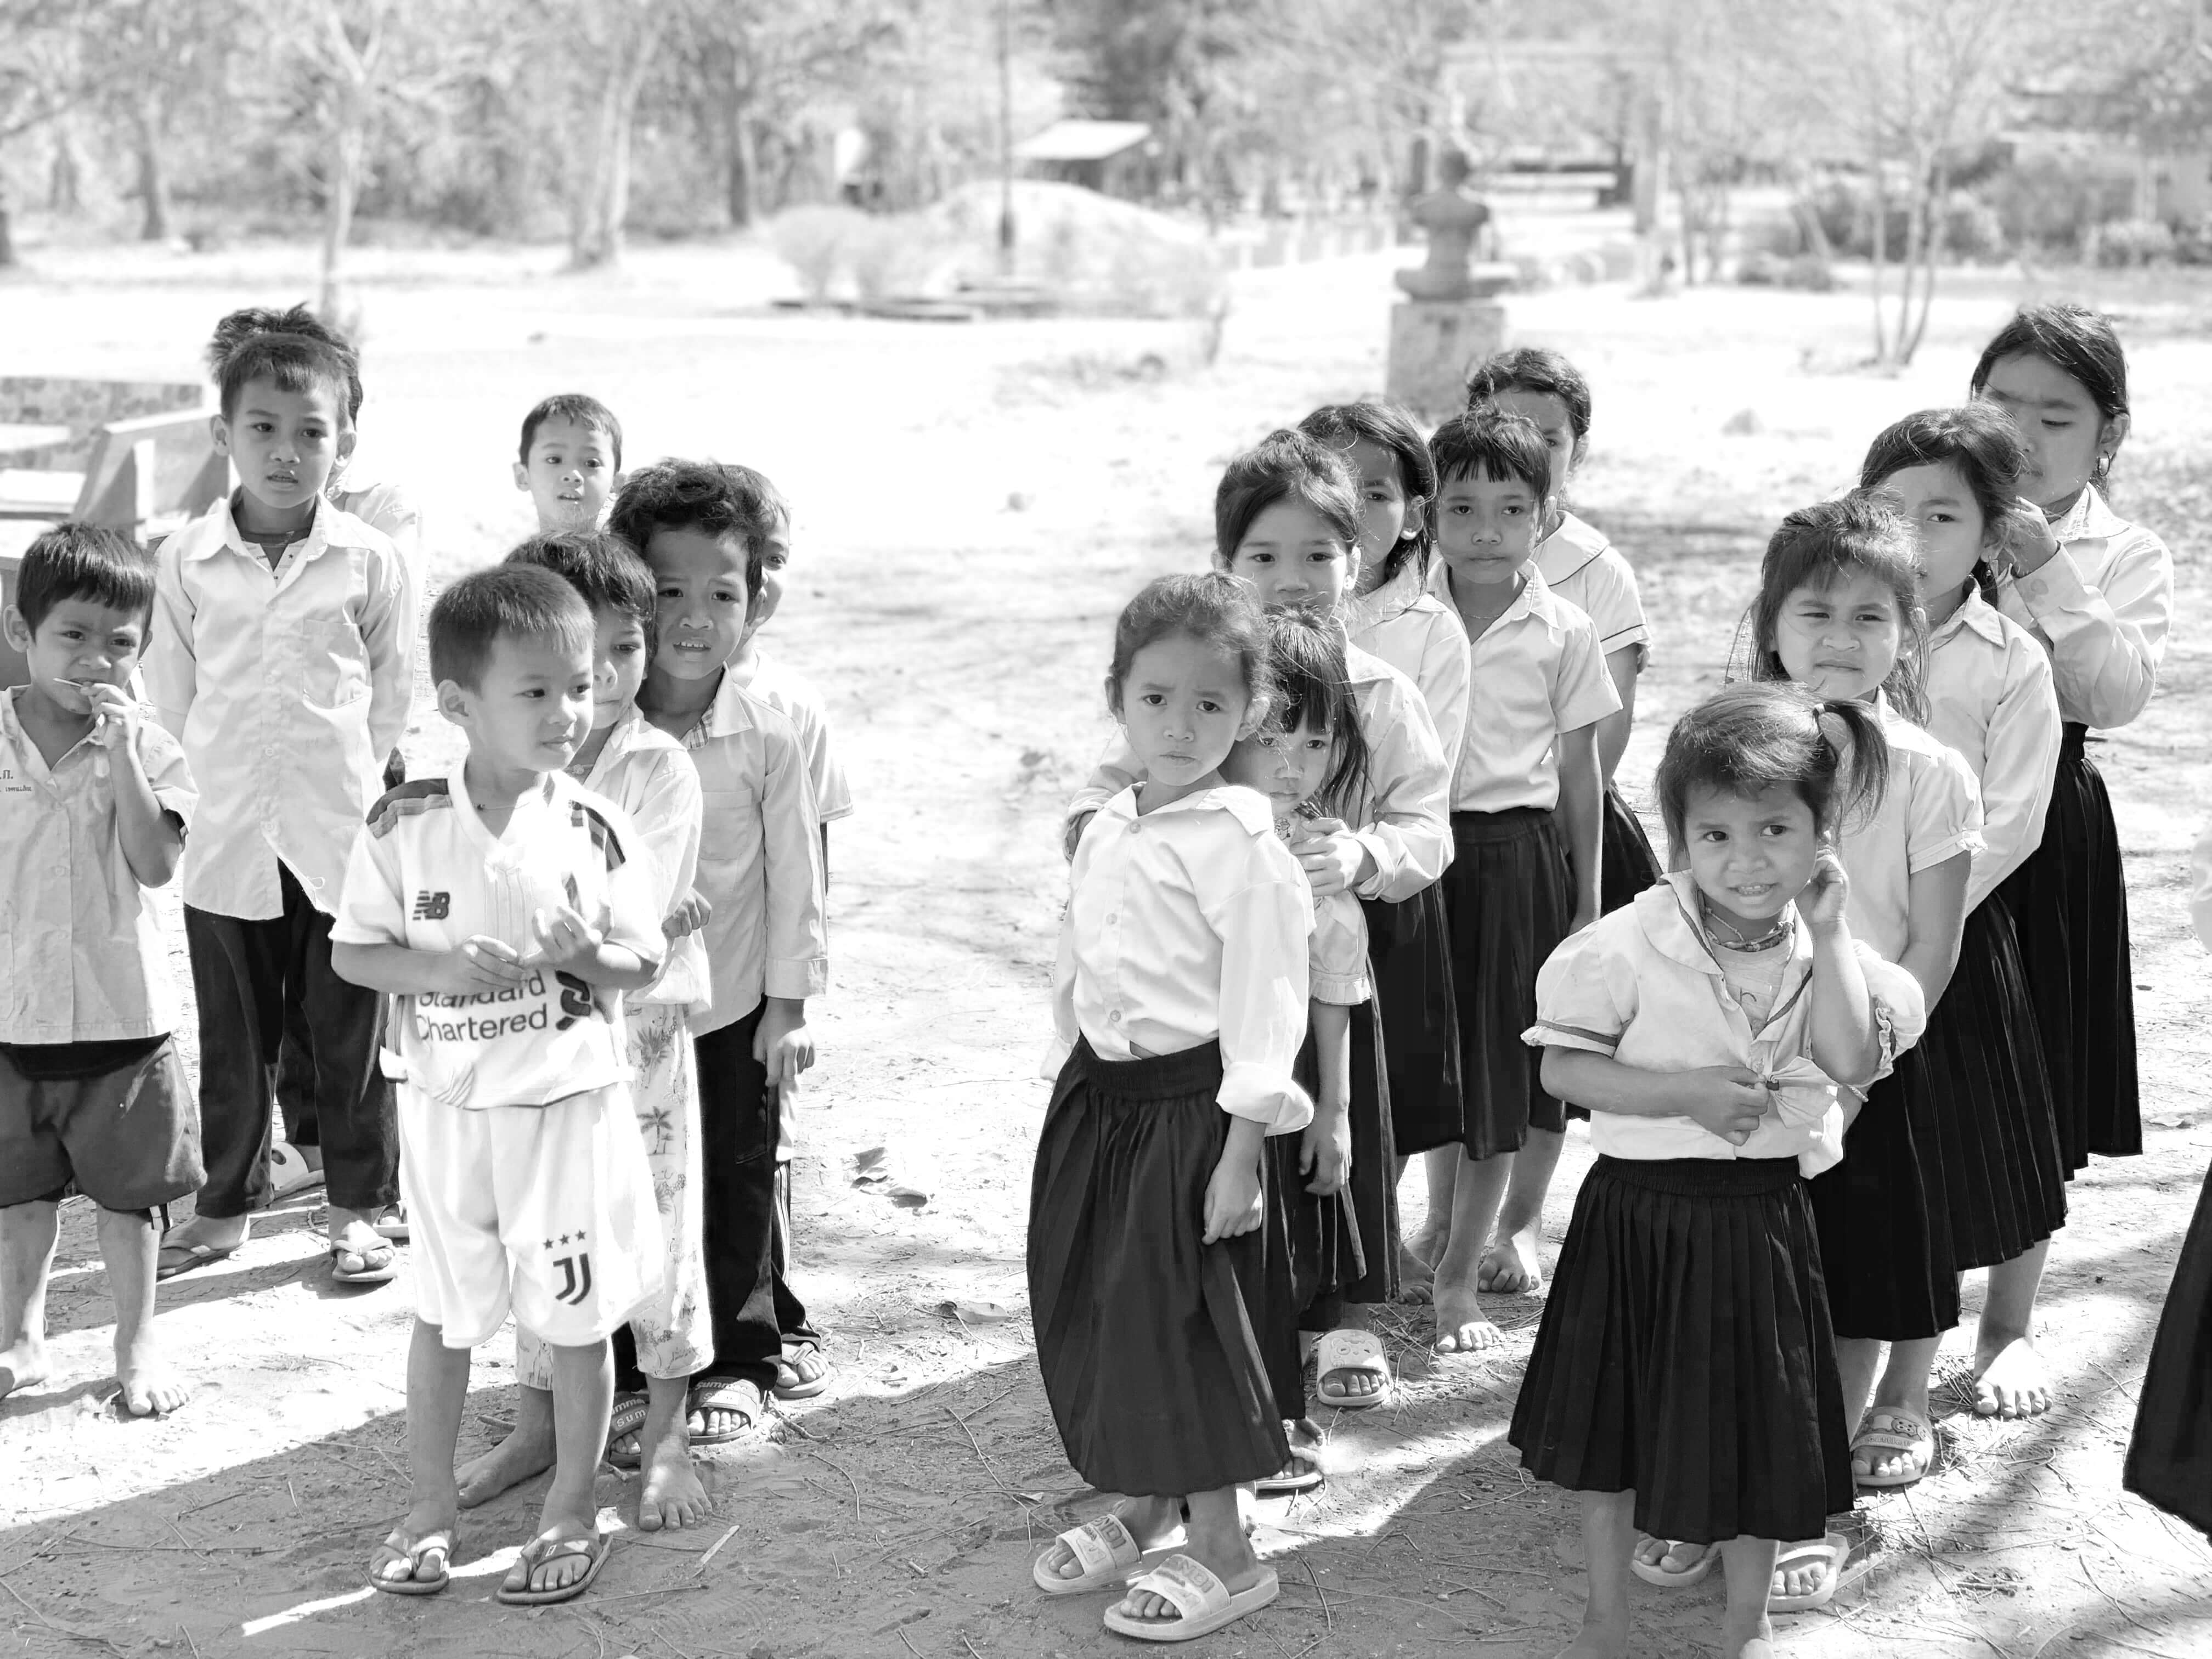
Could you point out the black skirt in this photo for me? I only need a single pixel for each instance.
(1685, 1353)
(1980, 1100)
(1162, 1355)
(1508, 901)
(1409, 953)
(1629, 865)
(2069, 903)
(1880, 1217)
(2170, 1456)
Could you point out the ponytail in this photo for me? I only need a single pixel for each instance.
(1851, 731)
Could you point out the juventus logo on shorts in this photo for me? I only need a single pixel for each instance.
(575, 1278)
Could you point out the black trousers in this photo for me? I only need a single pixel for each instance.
(248, 977)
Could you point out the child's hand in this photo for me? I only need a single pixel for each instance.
(2028, 542)
(565, 939)
(782, 1044)
(118, 714)
(1822, 901)
(689, 916)
(1724, 1100)
(1232, 1198)
(480, 964)
(1325, 1153)
(1333, 859)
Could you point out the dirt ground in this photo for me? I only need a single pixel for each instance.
(973, 503)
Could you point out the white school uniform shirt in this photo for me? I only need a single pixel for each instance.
(2101, 606)
(1932, 810)
(1404, 820)
(1642, 986)
(1991, 697)
(287, 689)
(1409, 627)
(2200, 886)
(1338, 969)
(1185, 925)
(649, 775)
(428, 874)
(1535, 672)
(1579, 563)
(82, 956)
(786, 690)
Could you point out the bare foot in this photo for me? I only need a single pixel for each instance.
(23, 1366)
(1153, 1521)
(673, 1496)
(2009, 1380)
(1510, 1267)
(1426, 1245)
(527, 1451)
(1461, 1327)
(1599, 1639)
(150, 1388)
(418, 1547)
(1416, 1278)
(1751, 1639)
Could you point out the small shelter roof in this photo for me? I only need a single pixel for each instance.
(1079, 140)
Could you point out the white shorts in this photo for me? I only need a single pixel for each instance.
(546, 1210)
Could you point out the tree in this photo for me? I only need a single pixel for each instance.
(38, 80)
(612, 43)
(159, 56)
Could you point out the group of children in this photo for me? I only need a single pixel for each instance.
(544, 1016)
(1820, 1082)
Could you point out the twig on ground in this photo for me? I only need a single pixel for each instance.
(195, 1548)
(665, 1590)
(992, 1401)
(64, 1629)
(1430, 1607)
(715, 1548)
(2117, 1606)
(296, 1496)
(590, 1630)
(654, 1631)
(1328, 1618)
(970, 1645)
(849, 1482)
(52, 1540)
(978, 1449)
(908, 1640)
(225, 1499)
(194, 1646)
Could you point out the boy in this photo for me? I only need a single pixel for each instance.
(704, 530)
(509, 908)
(283, 661)
(570, 460)
(94, 804)
(801, 1371)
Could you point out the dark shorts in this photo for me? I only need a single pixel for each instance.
(128, 1137)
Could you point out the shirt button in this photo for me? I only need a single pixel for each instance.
(1115, 1018)
(1134, 828)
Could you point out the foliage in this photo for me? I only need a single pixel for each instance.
(2134, 242)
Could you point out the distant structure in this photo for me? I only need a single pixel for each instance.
(1450, 318)
(1111, 157)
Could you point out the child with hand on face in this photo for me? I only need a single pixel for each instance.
(570, 460)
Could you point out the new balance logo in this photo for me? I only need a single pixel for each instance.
(433, 906)
(575, 1278)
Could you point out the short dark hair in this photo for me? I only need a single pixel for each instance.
(506, 601)
(1214, 608)
(1489, 442)
(1285, 465)
(1388, 427)
(2078, 343)
(1759, 735)
(1536, 369)
(294, 349)
(704, 496)
(75, 560)
(605, 569)
(1980, 439)
(1822, 545)
(586, 411)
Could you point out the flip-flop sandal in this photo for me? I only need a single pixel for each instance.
(1302, 1474)
(1202, 1602)
(1839, 1570)
(392, 1223)
(289, 1172)
(1655, 1572)
(1893, 1428)
(538, 1554)
(626, 1421)
(798, 1388)
(1351, 1351)
(189, 1256)
(366, 1273)
(1104, 1548)
(440, 1544)
(725, 1393)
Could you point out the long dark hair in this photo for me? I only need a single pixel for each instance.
(1389, 426)
(1980, 439)
(1313, 686)
(1212, 608)
(2078, 343)
(1819, 545)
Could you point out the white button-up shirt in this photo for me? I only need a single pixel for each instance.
(82, 957)
(1421, 637)
(2101, 606)
(1583, 567)
(1990, 697)
(792, 694)
(1931, 812)
(1641, 985)
(1185, 924)
(288, 687)
(646, 773)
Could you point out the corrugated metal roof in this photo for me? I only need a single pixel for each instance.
(1082, 141)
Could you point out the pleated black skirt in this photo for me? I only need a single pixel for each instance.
(1880, 1217)
(1508, 901)
(1980, 1097)
(1685, 1353)
(2069, 905)
(2170, 1455)
(1409, 953)
(1162, 1355)
(1629, 865)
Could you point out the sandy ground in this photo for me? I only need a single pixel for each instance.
(973, 503)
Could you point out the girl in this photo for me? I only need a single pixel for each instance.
(1179, 1007)
(2097, 592)
(1310, 762)
(1582, 567)
(1526, 815)
(1394, 616)
(1990, 697)
(1682, 1377)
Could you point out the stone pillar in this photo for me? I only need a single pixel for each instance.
(1433, 343)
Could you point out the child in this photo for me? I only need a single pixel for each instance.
(91, 1092)
(1395, 617)
(704, 532)
(569, 460)
(1955, 472)
(646, 773)
(1309, 760)
(1527, 811)
(283, 660)
(1682, 1378)
(2102, 612)
(1179, 1006)
(507, 908)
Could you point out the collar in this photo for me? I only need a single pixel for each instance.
(2089, 519)
(1534, 600)
(551, 785)
(730, 711)
(1247, 807)
(226, 534)
(13, 736)
(1401, 594)
(1667, 911)
(1975, 613)
(1568, 548)
(630, 733)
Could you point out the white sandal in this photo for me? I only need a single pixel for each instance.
(1204, 1603)
(1351, 1351)
(1104, 1548)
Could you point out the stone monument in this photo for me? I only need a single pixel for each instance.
(1449, 319)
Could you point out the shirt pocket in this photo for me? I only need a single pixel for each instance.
(334, 662)
(729, 826)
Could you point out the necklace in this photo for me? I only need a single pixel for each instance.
(1785, 926)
